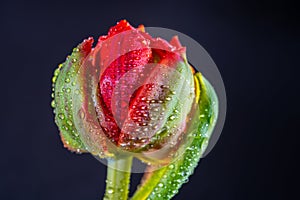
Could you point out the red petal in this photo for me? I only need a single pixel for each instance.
(118, 53)
(122, 56)
(86, 46)
(121, 26)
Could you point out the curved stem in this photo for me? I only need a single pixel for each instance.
(118, 178)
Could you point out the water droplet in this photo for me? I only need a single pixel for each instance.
(160, 185)
(168, 98)
(81, 114)
(53, 104)
(186, 180)
(172, 117)
(67, 80)
(61, 116)
(171, 166)
(56, 72)
(69, 123)
(54, 79)
(155, 109)
(110, 191)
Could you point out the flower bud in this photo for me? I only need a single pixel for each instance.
(131, 93)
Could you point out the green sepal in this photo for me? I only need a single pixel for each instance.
(176, 110)
(164, 183)
(63, 83)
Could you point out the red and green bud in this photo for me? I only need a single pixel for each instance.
(137, 96)
(130, 92)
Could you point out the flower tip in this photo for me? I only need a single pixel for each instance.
(86, 46)
(122, 25)
(175, 42)
(141, 28)
(179, 48)
(192, 69)
(122, 21)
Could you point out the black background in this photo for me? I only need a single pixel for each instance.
(255, 45)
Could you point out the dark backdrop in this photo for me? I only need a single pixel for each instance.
(254, 44)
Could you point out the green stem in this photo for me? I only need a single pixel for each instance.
(118, 178)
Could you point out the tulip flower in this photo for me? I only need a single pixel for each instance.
(135, 96)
